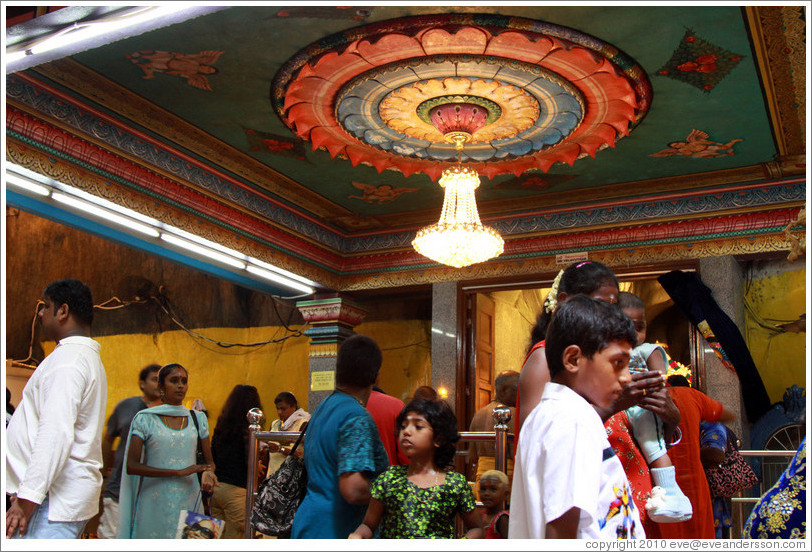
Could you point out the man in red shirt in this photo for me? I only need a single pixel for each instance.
(384, 409)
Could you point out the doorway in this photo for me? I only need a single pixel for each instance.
(499, 319)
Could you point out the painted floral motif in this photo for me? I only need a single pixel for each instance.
(699, 63)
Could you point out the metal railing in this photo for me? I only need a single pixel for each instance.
(740, 502)
(499, 436)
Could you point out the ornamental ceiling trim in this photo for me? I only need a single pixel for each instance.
(357, 92)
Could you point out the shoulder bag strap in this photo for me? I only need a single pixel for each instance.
(299, 439)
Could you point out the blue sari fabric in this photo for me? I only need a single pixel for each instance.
(781, 512)
(341, 438)
(150, 506)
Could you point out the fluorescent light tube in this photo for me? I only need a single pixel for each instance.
(281, 271)
(26, 184)
(107, 215)
(210, 253)
(273, 277)
(79, 30)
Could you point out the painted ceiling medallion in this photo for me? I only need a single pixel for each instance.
(406, 110)
(362, 94)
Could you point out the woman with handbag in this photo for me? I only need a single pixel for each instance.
(160, 475)
(229, 446)
(343, 452)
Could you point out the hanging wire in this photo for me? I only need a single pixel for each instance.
(164, 304)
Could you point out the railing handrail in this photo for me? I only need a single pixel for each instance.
(500, 436)
(767, 453)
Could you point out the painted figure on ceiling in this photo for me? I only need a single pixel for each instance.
(379, 195)
(192, 67)
(697, 144)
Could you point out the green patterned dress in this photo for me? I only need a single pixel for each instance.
(412, 512)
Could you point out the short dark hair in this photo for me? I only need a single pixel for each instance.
(167, 369)
(628, 300)
(147, 370)
(589, 323)
(443, 423)
(506, 385)
(358, 361)
(581, 278)
(288, 397)
(76, 295)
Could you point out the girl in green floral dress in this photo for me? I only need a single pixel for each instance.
(422, 499)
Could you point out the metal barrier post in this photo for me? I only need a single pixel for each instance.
(255, 418)
(501, 415)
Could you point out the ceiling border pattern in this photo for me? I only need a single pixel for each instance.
(45, 102)
(779, 43)
(676, 233)
(664, 242)
(596, 214)
(96, 88)
(621, 257)
(54, 164)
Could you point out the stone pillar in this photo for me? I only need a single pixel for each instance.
(444, 340)
(331, 322)
(723, 275)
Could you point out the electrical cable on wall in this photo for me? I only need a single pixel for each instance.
(164, 304)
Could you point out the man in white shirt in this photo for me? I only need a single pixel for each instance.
(54, 454)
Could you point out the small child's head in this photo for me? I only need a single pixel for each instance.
(634, 307)
(588, 348)
(493, 489)
(426, 425)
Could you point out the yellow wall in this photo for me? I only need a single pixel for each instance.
(406, 349)
(213, 371)
(516, 313)
(780, 357)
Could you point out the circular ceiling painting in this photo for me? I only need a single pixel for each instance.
(397, 94)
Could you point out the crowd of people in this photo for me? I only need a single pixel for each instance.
(605, 446)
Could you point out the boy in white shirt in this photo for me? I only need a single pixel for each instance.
(567, 482)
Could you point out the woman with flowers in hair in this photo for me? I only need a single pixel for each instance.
(597, 281)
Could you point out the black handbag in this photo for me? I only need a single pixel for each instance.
(280, 495)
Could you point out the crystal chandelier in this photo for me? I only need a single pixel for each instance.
(459, 238)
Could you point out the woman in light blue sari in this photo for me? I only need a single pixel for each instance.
(160, 477)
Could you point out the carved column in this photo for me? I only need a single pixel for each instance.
(331, 322)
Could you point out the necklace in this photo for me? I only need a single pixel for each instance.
(174, 422)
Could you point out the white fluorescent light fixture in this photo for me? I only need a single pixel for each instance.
(202, 241)
(11, 57)
(281, 271)
(273, 277)
(26, 184)
(102, 213)
(80, 31)
(193, 247)
(107, 205)
(122, 216)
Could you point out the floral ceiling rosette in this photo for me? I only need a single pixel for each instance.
(546, 93)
